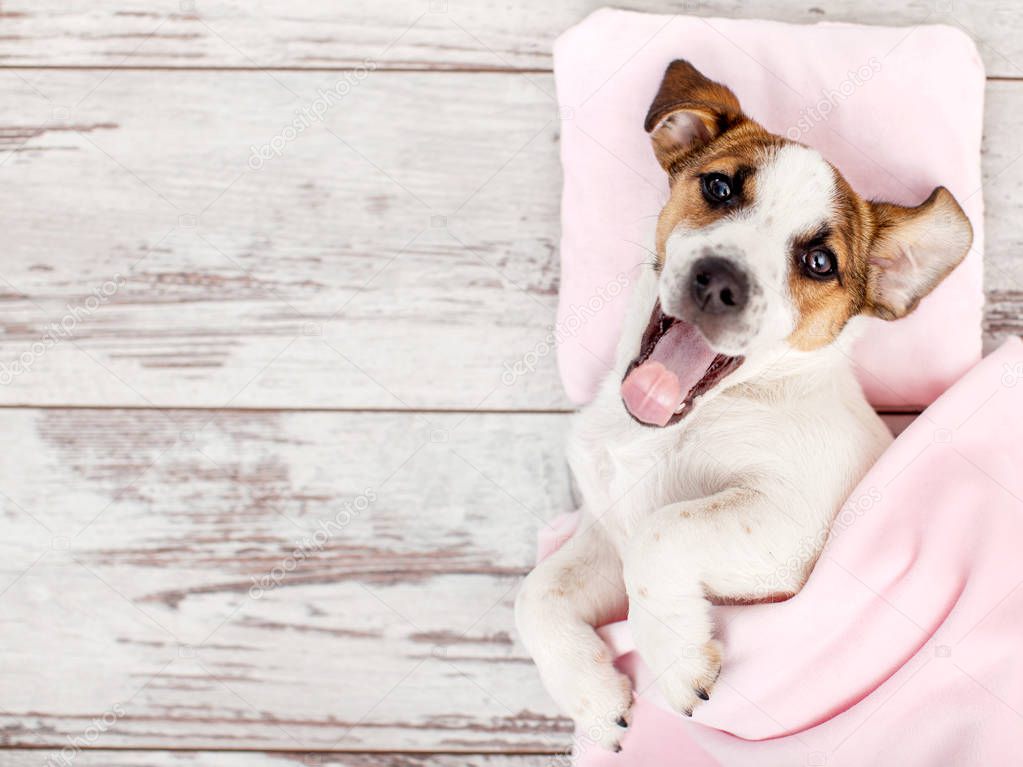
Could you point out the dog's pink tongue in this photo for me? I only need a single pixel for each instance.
(654, 390)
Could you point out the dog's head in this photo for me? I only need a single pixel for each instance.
(763, 247)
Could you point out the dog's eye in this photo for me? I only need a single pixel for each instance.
(717, 188)
(819, 263)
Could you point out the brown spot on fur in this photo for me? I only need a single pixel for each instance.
(713, 653)
(737, 496)
(569, 580)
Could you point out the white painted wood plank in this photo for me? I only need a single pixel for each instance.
(340, 666)
(412, 33)
(397, 254)
(400, 253)
(273, 581)
(35, 758)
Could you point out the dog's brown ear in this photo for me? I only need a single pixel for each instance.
(913, 250)
(688, 111)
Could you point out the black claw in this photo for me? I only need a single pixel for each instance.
(687, 712)
(618, 748)
(702, 694)
(622, 723)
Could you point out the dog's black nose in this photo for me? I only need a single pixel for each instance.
(718, 286)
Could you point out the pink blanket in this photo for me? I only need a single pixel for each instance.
(904, 646)
(897, 110)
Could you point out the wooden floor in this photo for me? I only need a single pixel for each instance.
(265, 497)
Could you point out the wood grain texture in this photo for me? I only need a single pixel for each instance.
(400, 253)
(396, 254)
(432, 34)
(36, 758)
(273, 581)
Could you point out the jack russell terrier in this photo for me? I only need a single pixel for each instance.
(731, 428)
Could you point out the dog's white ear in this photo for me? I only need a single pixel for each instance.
(913, 250)
(688, 111)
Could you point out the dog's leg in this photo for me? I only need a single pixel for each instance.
(578, 587)
(735, 544)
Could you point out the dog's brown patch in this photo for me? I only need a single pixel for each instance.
(824, 307)
(740, 151)
(697, 127)
(937, 228)
(872, 240)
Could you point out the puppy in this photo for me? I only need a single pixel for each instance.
(731, 429)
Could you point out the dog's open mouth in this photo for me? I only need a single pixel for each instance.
(674, 367)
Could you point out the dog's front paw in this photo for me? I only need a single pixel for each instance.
(689, 680)
(602, 710)
(597, 697)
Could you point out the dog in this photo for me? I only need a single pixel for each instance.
(731, 428)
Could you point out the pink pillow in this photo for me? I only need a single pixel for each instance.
(897, 110)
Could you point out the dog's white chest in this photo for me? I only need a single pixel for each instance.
(625, 479)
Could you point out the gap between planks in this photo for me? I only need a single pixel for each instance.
(272, 750)
(432, 69)
(158, 757)
(909, 411)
